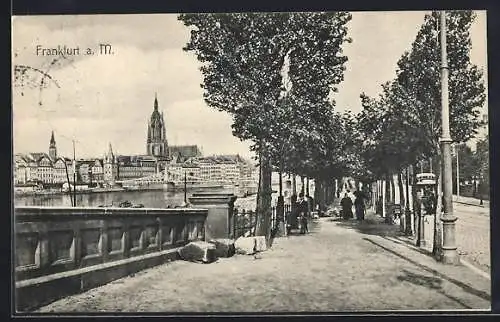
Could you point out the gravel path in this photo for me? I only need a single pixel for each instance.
(339, 266)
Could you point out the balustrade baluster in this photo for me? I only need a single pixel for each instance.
(243, 222)
(235, 218)
(77, 247)
(126, 239)
(43, 246)
(159, 233)
(104, 241)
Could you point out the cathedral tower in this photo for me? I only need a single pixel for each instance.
(110, 167)
(156, 143)
(52, 148)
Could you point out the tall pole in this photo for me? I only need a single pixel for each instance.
(407, 204)
(458, 173)
(449, 255)
(185, 188)
(74, 174)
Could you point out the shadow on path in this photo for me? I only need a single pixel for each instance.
(460, 284)
(370, 226)
(429, 282)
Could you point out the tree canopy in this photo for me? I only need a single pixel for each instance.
(403, 125)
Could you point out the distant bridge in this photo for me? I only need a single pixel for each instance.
(157, 178)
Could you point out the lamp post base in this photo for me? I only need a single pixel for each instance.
(450, 254)
(450, 257)
(408, 231)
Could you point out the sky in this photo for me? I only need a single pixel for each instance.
(101, 99)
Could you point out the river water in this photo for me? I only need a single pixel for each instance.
(149, 198)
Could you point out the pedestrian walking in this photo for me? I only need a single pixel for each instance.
(303, 208)
(346, 204)
(359, 205)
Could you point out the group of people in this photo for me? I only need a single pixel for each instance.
(347, 205)
(303, 212)
(304, 203)
(298, 218)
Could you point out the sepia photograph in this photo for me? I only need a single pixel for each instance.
(250, 162)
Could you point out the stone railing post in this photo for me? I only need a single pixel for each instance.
(220, 212)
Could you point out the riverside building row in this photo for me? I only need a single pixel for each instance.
(170, 163)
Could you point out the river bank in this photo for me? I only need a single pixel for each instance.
(61, 192)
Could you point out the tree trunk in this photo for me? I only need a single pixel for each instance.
(437, 245)
(390, 198)
(402, 201)
(384, 198)
(281, 183)
(259, 193)
(264, 200)
(327, 193)
(317, 187)
(393, 189)
(320, 197)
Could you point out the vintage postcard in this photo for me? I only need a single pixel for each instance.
(251, 162)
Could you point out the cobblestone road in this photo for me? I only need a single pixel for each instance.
(472, 234)
(339, 266)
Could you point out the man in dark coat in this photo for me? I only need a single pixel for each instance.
(359, 204)
(346, 204)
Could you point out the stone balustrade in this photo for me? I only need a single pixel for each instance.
(53, 243)
(52, 239)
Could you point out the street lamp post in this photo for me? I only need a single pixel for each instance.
(458, 172)
(449, 254)
(185, 188)
(74, 174)
(408, 230)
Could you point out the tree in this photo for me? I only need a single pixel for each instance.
(482, 157)
(468, 167)
(414, 98)
(419, 75)
(243, 56)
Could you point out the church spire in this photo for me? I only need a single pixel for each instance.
(156, 103)
(52, 140)
(52, 148)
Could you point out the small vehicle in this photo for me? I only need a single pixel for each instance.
(427, 187)
(425, 179)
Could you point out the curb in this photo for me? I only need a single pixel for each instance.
(475, 269)
(471, 204)
(462, 261)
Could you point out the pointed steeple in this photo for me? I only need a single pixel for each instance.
(52, 148)
(156, 102)
(52, 140)
(110, 151)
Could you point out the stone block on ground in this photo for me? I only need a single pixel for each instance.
(223, 247)
(198, 251)
(250, 245)
(260, 243)
(245, 245)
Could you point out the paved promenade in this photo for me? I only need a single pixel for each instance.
(338, 266)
